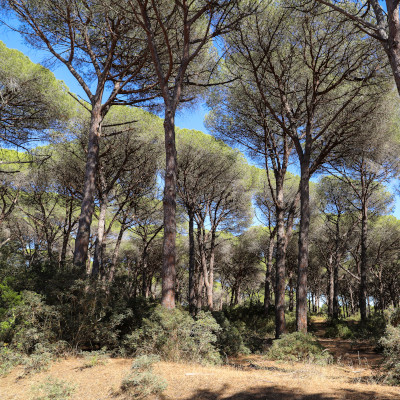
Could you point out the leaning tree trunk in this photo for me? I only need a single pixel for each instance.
(89, 189)
(301, 294)
(169, 202)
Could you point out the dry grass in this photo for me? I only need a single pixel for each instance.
(252, 378)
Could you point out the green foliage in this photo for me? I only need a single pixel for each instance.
(391, 348)
(94, 358)
(53, 389)
(174, 335)
(141, 382)
(37, 362)
(339, 329)
(299, 346)
(373, 327)
(9, 359)
(245, 329)
(29, 323)
(9, 298)
(230, 338)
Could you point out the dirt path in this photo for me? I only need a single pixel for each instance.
(346, 351)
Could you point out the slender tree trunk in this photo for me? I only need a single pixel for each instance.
(291, 293)
(98, 247)
(268, 273)
(280, 270)
(336, 270)
(192, 261)
(301, 294)
(169, 253)
(363, 264)
(331, 285)
(145, 272)
(89, 189)
(67, 232)
(210, 287)
(114, 258)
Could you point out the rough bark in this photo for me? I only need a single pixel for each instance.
(169, 202)
(301, 294)
(89, 190)
(268, 273)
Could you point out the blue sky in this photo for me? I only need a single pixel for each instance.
(192, 118)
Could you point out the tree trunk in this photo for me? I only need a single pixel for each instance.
(169, 202)
(363, 264)
(67, 232)
(280, 270)
(114, 258)
(301, 294)
(330, 287)
(291, 293)
(393, 48)
(145, 273)
(268, 273)
(98, 247)
(89, 189)
(192, 291)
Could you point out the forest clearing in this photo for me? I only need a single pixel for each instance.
(255, 256)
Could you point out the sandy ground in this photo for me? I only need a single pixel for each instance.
(251, 378)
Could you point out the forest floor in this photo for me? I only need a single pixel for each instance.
(351, 377)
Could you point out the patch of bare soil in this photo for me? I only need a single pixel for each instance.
(347, 351)
(247, 378)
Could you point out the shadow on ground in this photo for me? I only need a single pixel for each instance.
(278, 393)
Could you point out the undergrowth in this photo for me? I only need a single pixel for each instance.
(299, 346)
(141, 381)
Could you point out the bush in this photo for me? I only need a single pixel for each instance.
(9, 359)
(339, 329)
(373, 327)
(53, 389)
(93, 358)
(391, 349)
(245, 328)
(30, 323)
(141, 382)
(229, 338)
(299, 346)
(174, 335)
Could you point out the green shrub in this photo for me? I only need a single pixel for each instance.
(94, 358)
(373, 327)
(53, 389)
(245, 328)
(9, 359)
(229, 337)
(339, 329)
(391, 349)
(37, 362)
(29, 323)
(299, 346)
(141, 382)
(174, 335)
